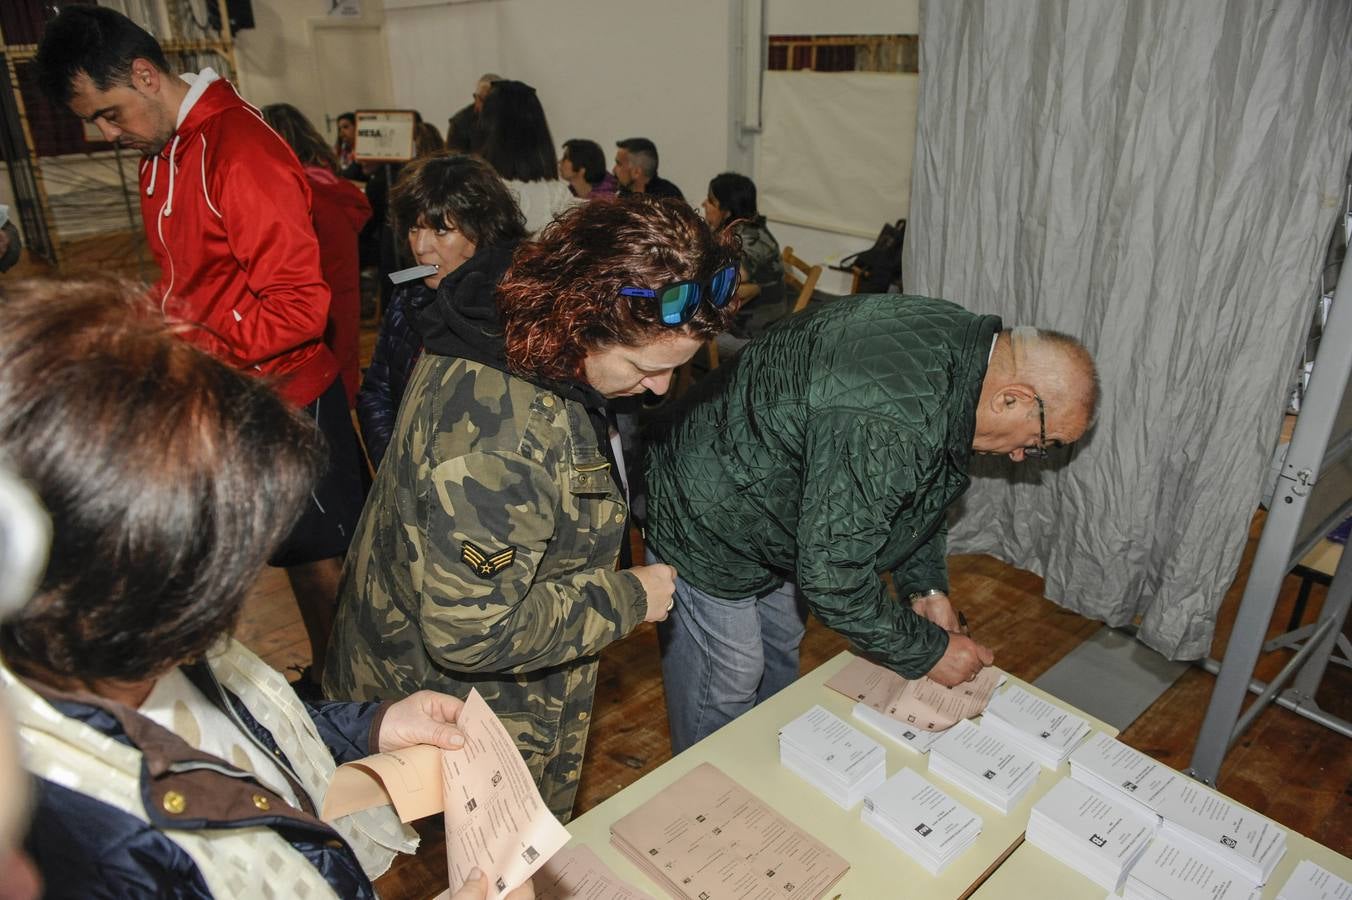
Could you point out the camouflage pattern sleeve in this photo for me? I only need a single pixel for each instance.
(482, 603)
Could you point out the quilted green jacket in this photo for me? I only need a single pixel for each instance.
(828, 453)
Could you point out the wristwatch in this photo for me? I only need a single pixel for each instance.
(921, 595)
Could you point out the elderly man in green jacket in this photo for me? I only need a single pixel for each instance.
(827, 453)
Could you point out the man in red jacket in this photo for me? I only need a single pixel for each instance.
(226, 209)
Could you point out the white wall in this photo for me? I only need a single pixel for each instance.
(604, 70)
(281, 59)
(842, 17)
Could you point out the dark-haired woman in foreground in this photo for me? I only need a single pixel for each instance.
(168, 759)
(485, 557)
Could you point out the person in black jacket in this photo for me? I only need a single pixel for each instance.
(168, 760)
(453, 209)
(636, 170)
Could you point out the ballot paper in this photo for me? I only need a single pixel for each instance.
(837, 759)
(927, 824)
(577, 873)
(1221, 829)
(1099, 837)
(922, 703)
(909, 736)
(1168, 871)
(984, 765)
(495, 818)
(1039, 727)
(1112, 768)
(705, 837)
(1313, 882)
(412, 273)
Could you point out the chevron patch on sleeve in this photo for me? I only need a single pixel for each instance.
(484, 564)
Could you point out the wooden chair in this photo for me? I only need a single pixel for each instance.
(800, 277)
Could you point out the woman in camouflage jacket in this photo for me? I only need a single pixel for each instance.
(486, 555)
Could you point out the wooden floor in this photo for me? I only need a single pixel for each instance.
(1286, 767)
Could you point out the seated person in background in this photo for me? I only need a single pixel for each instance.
(829, 452)
(338, 210)
(486, 555)
(583, 166)
(514, 139)
(168, 759)
(731, 204)
(344, 148)
(457, 215)
(636, 170)
(461, 130)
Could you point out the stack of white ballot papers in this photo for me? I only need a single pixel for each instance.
(1228, 834)
(985, 766)
(1196, 820)
(1113, 769)
(1038, 727)
(1096, 836)
(1169, 871)
(930, 826)
(836, 758)
(1314, 882)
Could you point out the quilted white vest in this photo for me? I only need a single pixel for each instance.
(234, 862)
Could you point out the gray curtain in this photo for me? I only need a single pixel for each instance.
(1159, 178)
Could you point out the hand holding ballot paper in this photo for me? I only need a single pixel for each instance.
(912, 712)
(496, 821)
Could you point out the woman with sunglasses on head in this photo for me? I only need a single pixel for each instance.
(485, 557)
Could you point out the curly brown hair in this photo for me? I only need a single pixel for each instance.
(561, 300)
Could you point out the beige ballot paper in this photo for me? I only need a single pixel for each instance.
(923, 703)
(705, 837)
(495, 818)
(577, 873)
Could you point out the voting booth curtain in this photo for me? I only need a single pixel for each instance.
(1159, 178)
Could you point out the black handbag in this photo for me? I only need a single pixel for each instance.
(880, 265)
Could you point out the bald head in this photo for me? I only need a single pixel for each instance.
(1041, 389)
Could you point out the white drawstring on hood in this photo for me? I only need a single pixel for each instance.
(199, 83)
(168, 209)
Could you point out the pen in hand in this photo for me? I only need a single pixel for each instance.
(962, 625)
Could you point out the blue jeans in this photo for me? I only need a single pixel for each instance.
(722, 657)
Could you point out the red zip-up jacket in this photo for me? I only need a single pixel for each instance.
(226, 208)
(340, 210)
